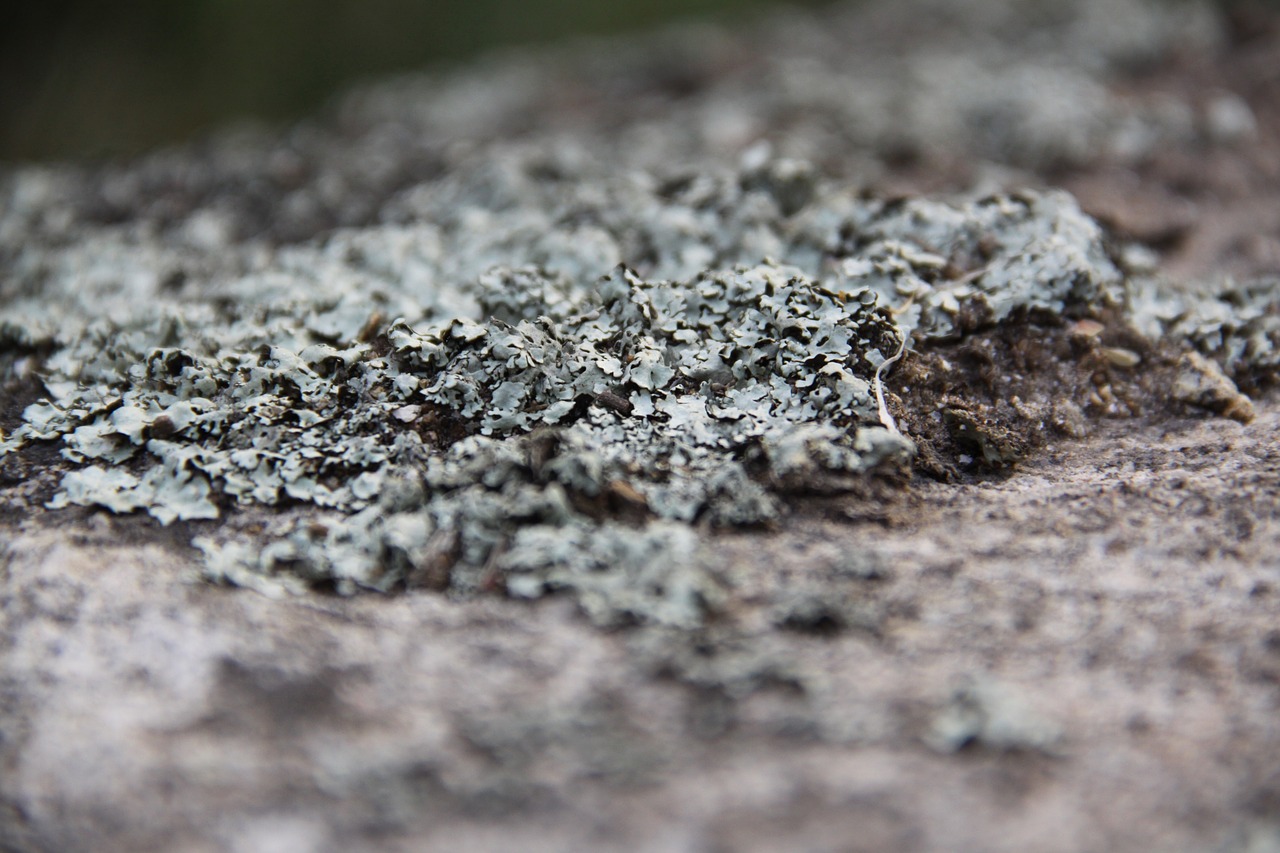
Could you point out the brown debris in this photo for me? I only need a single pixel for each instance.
(1201, 383)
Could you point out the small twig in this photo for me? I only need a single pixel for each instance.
(911, 300)
(885, 418)
(972, 275)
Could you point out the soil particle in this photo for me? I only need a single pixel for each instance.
(1201, 383)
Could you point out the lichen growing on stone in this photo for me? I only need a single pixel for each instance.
(498, 359)
(532, 367)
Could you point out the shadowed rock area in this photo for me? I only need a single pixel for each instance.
(854, 431)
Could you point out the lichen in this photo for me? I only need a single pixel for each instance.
(533, 367)
(1238, 325)
(531, 388)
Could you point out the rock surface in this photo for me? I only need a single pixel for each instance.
(1056, 631)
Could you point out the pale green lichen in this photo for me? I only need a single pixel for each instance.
(542, 359)
(1235, 325)
(702, 398)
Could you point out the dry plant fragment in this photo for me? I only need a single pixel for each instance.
(1202, 383)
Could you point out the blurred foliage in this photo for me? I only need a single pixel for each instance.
(97, 78)
(91, 78)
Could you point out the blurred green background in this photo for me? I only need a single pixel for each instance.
(95, 78)
(101, 78)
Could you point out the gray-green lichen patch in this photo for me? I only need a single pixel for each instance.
(541, 357)
(1235, 324)
(536, 416)
(996, 256)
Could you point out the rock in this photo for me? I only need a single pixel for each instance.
(539, 425)
(992, 715)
